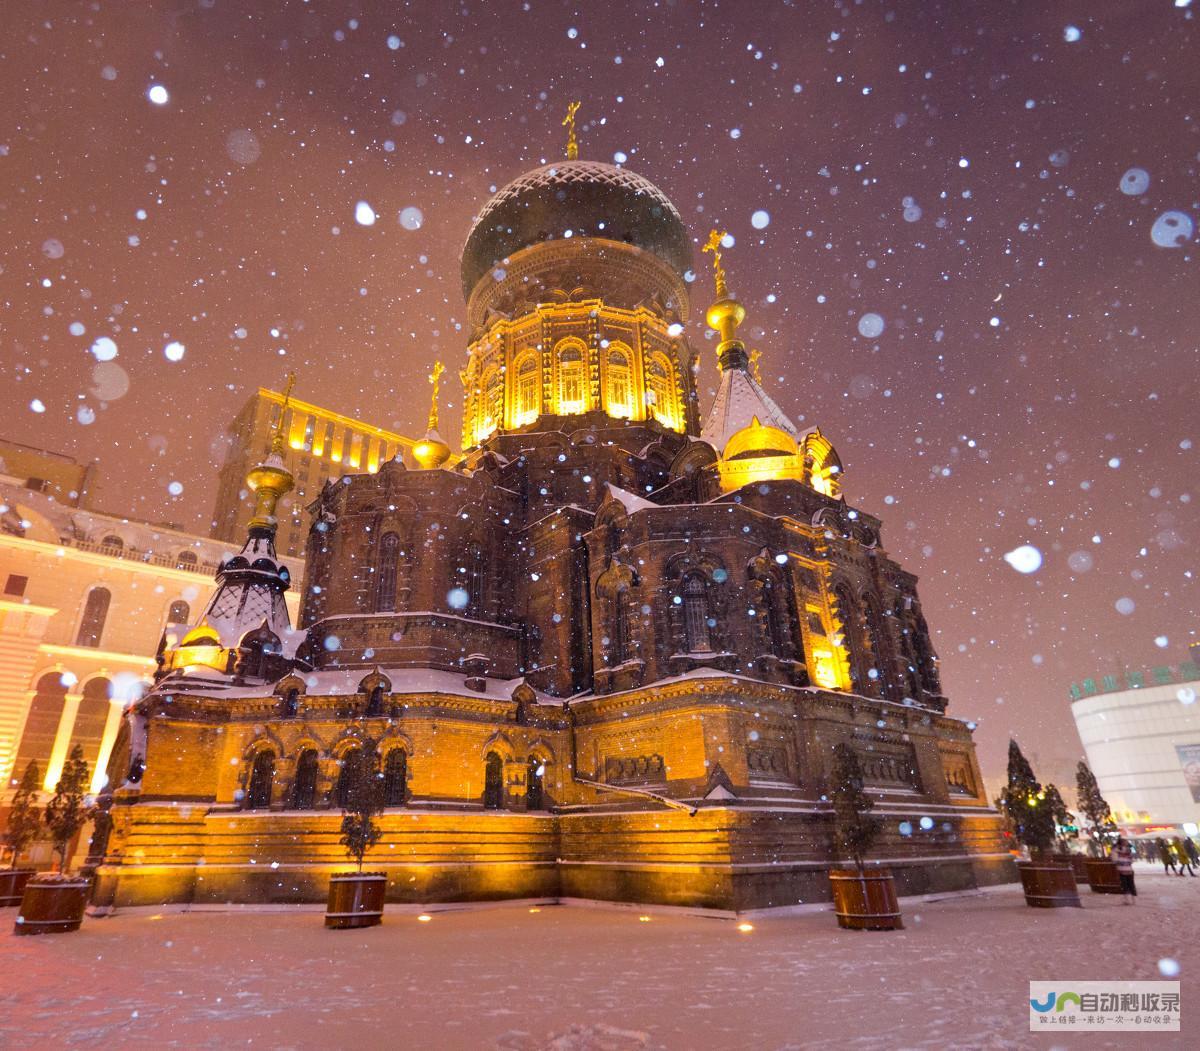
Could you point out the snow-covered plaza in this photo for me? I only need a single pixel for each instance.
(524, 976)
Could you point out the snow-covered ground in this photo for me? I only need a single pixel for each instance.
(589, 978)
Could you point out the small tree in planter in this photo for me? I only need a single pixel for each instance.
(68, 810)
(1095, 808)
(1031, 812)
(24, 817)
(1024, 801)
(861, 901)
(24, 821)
(52, 903)
(356, 899)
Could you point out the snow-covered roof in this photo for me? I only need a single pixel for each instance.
(740, 399)
(631, 501)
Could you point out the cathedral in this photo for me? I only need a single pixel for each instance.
(603, 652)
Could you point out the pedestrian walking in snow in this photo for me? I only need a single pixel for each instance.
(1166, 855)
(1189, 846)
(1122, 854)
(1183, 855)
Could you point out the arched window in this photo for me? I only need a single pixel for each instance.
(289, 705)
(304, 788)
(90, 720)
(41, 723)
(262, 780)
(535, 795)
(773, 620)
(375, 701)
(620, 639)
(95, 612)
(352, 770)
(386, 568)
(493, 782)
(880, 650)
(908, 652)
(618, 385)
(572, 380)
(528, 400)
(853, 641)
(112, 543)
(493, 399)
(395, 778)
(186, 560)
(695, 614)
(476, 580)
(660, 393)
(178, 612)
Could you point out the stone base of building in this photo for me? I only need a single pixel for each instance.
(725, 858)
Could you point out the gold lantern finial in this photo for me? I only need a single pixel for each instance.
(435, 378)
(569, 124)
(726, 313)
(271, 480)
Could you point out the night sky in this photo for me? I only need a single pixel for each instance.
(958, 169)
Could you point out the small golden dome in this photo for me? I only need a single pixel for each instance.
(431, 452)
(725, 311)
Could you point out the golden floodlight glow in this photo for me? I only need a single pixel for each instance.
(745, 928)
(424, 918)
(535, 909)
(644, 919)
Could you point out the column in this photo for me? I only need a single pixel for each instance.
(112, 725)
(62, 740)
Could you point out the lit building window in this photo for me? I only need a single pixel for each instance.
(619, 384)
(572, 379)
(661, 395)
(528, 394)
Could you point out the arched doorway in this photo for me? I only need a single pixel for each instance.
(304, 788)
(41, 723)
(395, 778)
(352, 772)
(535, 794)
(90, 720)
(493, 782)
(262, 780)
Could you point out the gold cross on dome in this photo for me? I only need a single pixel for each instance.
(569, 124)
(714, 245)
(435, 378)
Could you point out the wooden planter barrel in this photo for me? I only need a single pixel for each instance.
(52, 906)
(865, 902)
(1049, 885)
(355, 900)
(1078, 863)
(1102, 876)
(12, 885)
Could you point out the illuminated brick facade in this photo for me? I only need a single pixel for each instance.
(606, 651)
